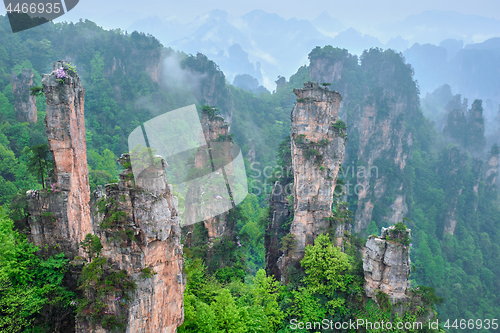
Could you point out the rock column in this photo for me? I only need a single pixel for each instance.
(317, 148)
(61, 214)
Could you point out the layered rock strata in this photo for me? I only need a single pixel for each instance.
(317, 148)
(24, 103)
(386, 264)
(62, 215)
(147, 239)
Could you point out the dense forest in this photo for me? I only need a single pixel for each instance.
(454, 275)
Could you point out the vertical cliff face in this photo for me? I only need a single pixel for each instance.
(317, 148)
(209, 180)
(145, 242)
(216, 132)
(386, 263)
(63, 214)
(24, 103)
(137, 223)
(212, 89)
(379, 99)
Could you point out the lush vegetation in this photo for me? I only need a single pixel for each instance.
(228, 290)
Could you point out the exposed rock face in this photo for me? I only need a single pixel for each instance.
(208, 159)
(279, 211)
(151, 216)
(325, 70)
(24, 103)
(376, 116)
(148, 237)
(68, 207)
(387, 266)
(317, 148)
(212, 89)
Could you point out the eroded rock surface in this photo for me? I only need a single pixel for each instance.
(24, 103)
(210, 161)
(63, 214)
(387, 264)
(376, 124)
(149, 237)
(317, 148)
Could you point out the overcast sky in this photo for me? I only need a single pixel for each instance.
(359, 14)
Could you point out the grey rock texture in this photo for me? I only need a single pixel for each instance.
(148, 235)
(387, 264)
(24, 103)
(381, 133)
(151, 216)
(317, 148)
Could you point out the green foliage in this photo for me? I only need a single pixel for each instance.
(399, 234)
(148, 273)
(39, 160)
(325, 267)
(36, 91)
(100, 283)
(383, 300)
(91, 245)
(288, 243)
(32, 294)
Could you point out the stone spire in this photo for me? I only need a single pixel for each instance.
(317, 146)
(68, 200)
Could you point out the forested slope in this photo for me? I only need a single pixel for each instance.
(131, 78)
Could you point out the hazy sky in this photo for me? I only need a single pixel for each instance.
(360, 13)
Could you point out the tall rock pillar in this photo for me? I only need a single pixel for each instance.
(317, 146)
(62, 215)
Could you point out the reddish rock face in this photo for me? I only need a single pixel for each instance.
(69, 203)
(151, 216)
(66, 135)
(63, 217)
(317, 149)
(24, 103)
(382, 134)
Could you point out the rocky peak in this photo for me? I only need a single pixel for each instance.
(67, 202)
(386, 263)
(24, 103)
(317, 147)
(145, 242)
